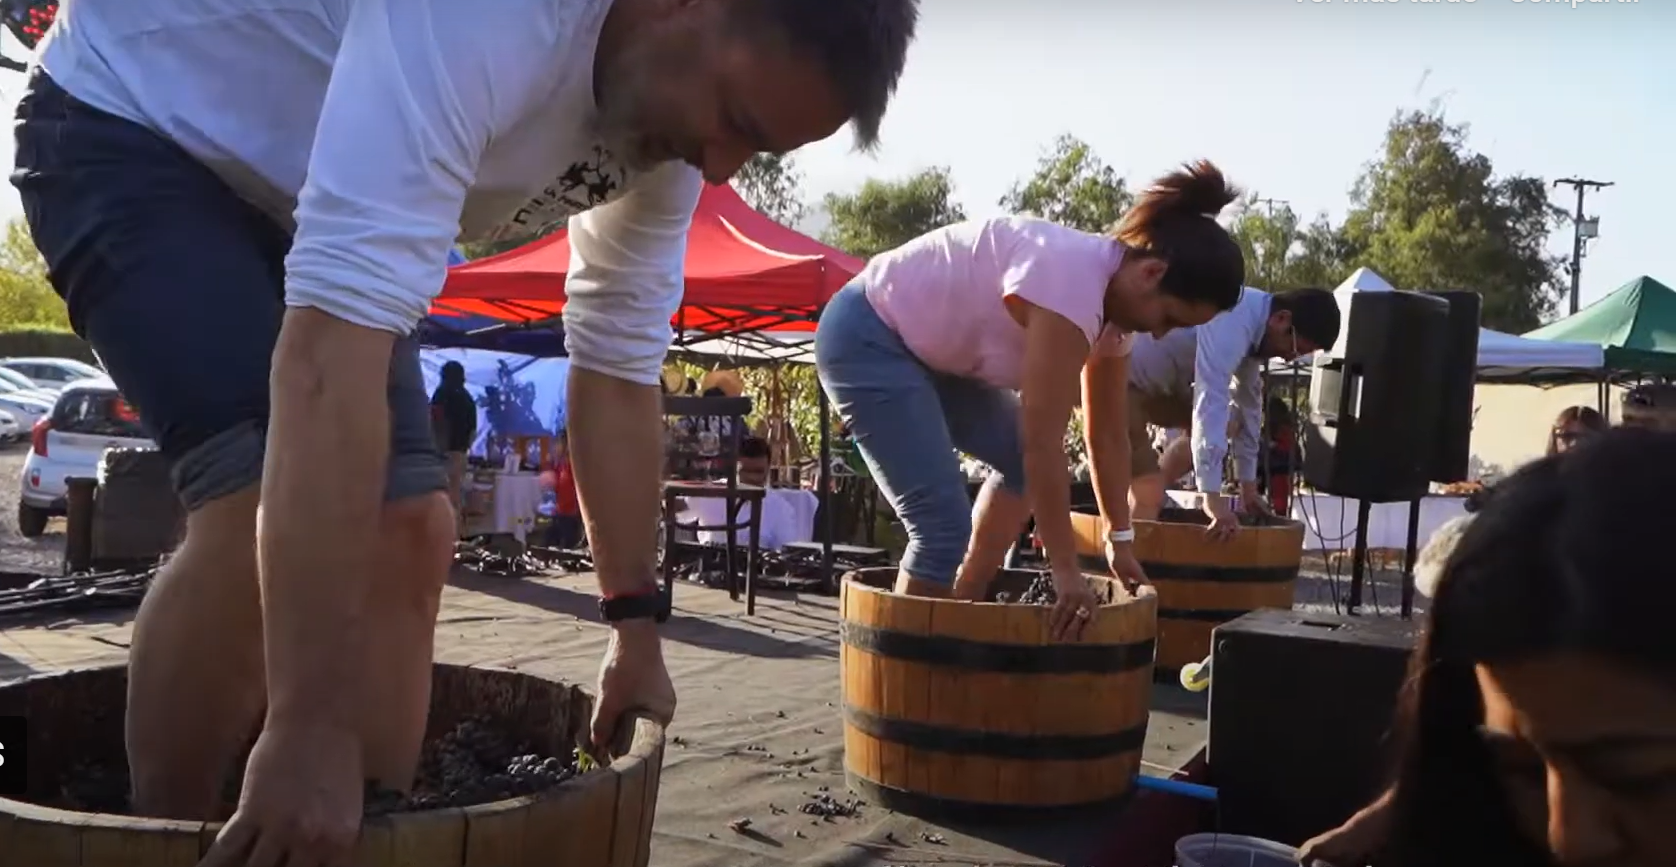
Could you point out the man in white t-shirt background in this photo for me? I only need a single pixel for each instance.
(231, 194)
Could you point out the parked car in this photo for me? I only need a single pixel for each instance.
(89, 417)
(51, 373)
(10, 430)
(26, 405)
(24, 383)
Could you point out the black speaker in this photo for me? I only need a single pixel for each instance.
(1300, 708)
(1374, 412)
(1452, 452)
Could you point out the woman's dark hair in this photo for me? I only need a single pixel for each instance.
(1558, 560)
(1586, 417)
(1175, 220)
(453, 373)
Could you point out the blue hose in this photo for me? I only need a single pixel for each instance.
(1176, 787)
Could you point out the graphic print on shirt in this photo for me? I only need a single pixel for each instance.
(586, 184)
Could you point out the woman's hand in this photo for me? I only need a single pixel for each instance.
(1223, 523)
(1120, 558)
(1075, 608)
(1353, 843)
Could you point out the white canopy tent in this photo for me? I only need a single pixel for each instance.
(1501, 356)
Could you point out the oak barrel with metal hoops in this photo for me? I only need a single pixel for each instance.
(967, 708)
(1203, 584)
(601, 818)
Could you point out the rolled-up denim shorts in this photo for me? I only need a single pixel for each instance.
(908, 420)
(179, 286)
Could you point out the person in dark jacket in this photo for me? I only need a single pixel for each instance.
(454, 421)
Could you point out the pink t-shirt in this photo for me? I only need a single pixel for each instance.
(944, 292)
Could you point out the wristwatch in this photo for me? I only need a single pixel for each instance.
(638, 605)
(1115, 537)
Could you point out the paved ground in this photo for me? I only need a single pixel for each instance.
(18, 554)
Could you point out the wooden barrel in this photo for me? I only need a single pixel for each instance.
(966, 708)
(1202, 584)
(602, 818)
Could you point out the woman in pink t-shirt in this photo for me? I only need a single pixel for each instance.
(982, 337)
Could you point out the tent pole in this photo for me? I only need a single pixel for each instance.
(825, 477)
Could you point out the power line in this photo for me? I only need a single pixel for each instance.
(1581, 229)
(1271, 203)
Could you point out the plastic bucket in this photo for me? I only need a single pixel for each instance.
(1232, 850)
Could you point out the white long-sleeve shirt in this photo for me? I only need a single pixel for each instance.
(1218, 362)
(383, 131)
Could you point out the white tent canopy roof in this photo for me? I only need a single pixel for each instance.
(1499, 354)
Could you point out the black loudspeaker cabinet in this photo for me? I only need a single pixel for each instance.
(1300, 707)
(1374, 412)
(1452, 453)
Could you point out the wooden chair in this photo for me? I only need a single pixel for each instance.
(727, 489)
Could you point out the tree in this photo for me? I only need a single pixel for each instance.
(1072, 187)
(771, 184)
(1282, 253)
(883, 215)
(1430, 214)
(27, 299)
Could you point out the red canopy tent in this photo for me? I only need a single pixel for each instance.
(745, 274)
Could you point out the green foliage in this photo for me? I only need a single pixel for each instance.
(27, 299)
(1072, 187)
(1281, 252)
(1431, 214)
(884, 215)
(485, 249)
(771, 183)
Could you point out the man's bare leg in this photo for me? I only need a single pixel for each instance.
(1146, 497)
(403, 598)
(998, 517)
(195, 676)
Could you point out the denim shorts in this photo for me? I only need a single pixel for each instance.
(908, 420)
(179, 286)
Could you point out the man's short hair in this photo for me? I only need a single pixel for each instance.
(862, 44)
(1315, 314)
(753, 447)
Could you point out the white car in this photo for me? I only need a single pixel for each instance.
(10, 430)
(26, 405)
(89, 417)
(51, 374)
(24, 383)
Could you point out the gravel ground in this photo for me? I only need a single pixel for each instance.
(17, 554)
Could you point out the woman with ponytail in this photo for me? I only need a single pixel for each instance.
(983, 336)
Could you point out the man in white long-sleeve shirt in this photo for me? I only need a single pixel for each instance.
(230, 194)
(1191, 377)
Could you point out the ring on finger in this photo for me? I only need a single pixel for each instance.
(1083, 613)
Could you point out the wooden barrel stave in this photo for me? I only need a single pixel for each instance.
(1004, 730)
(1202, 584)
(600, 819)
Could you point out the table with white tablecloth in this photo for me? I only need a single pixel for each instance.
(788, 515)
(501, 502)
(1330, 522)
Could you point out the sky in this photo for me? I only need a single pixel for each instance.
(1290, 97)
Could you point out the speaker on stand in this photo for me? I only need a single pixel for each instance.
(1393, 413)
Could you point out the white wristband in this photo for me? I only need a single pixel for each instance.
(1127, 534)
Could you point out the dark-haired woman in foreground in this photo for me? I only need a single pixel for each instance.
(1539, 726)
(923, 352)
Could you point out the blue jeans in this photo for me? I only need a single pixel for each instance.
(908, 420)
(179, 285)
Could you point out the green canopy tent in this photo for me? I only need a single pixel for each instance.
(1635, 324)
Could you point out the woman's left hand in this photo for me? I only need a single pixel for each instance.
(1120, 557)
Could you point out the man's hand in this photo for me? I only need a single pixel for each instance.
(1075, 607)
(1252, 502)
(631, 678)
(301, 803)
(1120, 557)
(1223, 523)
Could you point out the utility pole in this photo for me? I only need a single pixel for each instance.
(1270, 203)
(1582, 229)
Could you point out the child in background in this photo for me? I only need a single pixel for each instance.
(566, 531)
